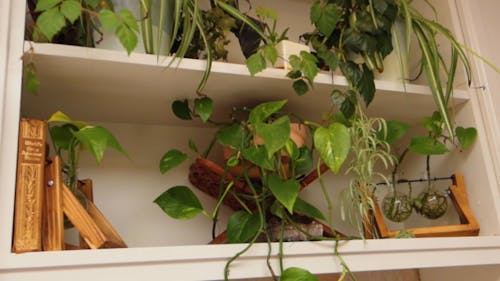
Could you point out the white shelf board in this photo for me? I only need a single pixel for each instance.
(316, 256)
(107, 85)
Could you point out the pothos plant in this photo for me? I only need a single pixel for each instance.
(262, 141)
(70, 138)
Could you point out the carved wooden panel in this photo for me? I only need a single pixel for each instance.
(29, 186)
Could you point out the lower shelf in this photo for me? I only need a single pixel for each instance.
(206, 262)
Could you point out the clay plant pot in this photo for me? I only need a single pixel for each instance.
(298, 134)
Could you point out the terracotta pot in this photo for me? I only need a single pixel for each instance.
(298, 134)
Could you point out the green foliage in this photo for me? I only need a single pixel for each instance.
(231, 136)
(97, 139)
(258, 156)
(265, 110)
(427, 145)
(179, 202)
(466, 136)
(297, 274)
(180, 108)
(325, 17)
(56, 15)
(30, 78)
(306, 209)
(286, 192)
(71, 9)
(333, 144)
(242, 226)
(203, 107)
(304, 68)
(395, 131)
(70, 137)
(256, 63)
(44, 5)
(275, 135)
(171, 159)
(368, 151)
(51, 22)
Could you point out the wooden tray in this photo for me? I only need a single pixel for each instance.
(468, 225)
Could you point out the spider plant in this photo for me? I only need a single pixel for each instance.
(369, 148)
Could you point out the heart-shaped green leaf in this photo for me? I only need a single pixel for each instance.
(171, 159)
(242, 226)
(63, 118)
(270, 53)
(306, 209)
(257, 155)
(256, 63)
(204, 107)
(324, 17)
(71, 9)
(62, 136)
(43, 5)
(129, 19)
(51, 22)
(179, 202)
(427, 146)
(274, 135)
(300, 87)
(395, 131)
(333, 144)
(264, 110)
(97, 139)
(286, 192)
(231, 136)
(127, 37)
(297, 274)
(180, 108)
(466, 136)
(108, 19)
(309, 66)
(305, 162)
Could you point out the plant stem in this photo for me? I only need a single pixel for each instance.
(326, 195)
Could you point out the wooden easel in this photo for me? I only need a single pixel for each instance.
(95, 231)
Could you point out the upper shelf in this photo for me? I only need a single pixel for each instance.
(107, 85)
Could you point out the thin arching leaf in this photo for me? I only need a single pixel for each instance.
(147, 25)
(428, 60)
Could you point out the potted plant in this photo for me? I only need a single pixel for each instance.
(69, 138)
(269, 204)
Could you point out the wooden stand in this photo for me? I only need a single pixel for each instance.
(468, 226)
(95, 231)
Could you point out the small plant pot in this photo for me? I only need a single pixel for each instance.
(298, 134)
(397, 207)
(431, 204)
(287, 48)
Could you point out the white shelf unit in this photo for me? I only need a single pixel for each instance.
(132, 96)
